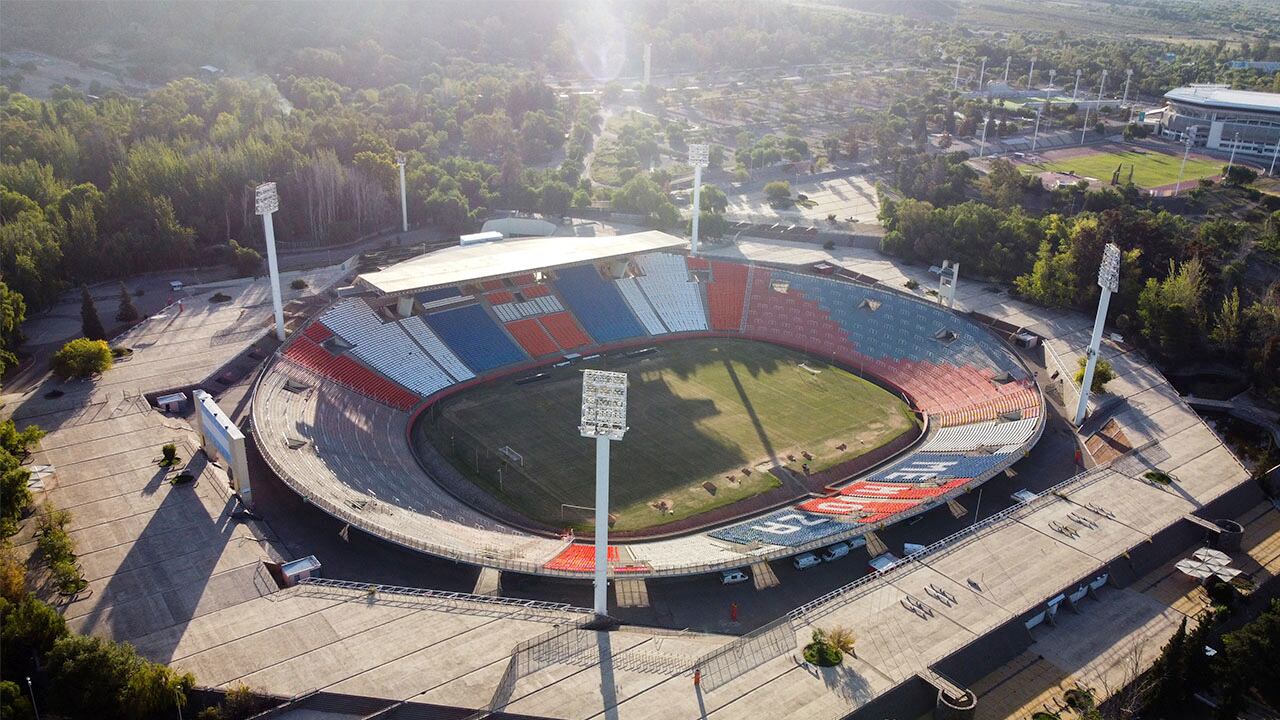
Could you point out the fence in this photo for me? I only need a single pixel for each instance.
(747, 652)
(461, 597)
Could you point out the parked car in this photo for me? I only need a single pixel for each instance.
(733, 577)
(835, 552)
(806, 560)
(884, 562)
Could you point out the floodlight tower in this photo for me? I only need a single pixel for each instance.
(955, 84)
(1128, 77)
(982, 149)
(699, 157)
(1047, 101)
(267, 201)
(1109, 281)
(1235, 143)
(1035, 134)
(1101, 83)
(1274, 154)
(1191, 136)
(404, 206)
(1031, 74)
(982, 74)
(1075, 88)
(604, 417)
(1007, 62)
(648, 63)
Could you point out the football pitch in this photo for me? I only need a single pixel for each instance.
(1150, 169)
(706, 417)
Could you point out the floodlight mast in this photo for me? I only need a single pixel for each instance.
(266, 202)
(604, 417)
(1109, 281)
(404, 206)
(1031, 74)
(699, 157)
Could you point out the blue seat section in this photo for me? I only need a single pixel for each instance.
(598, 304)
(922, 466)
(427, 296)
(475, 338)
(789, 527)
(903, 329)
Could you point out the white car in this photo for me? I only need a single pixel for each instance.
(733, 577)
(806, 560)
(835, 552)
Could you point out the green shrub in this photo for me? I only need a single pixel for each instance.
(82, 358)
(169, 455)
(219, 298)
(1102, 374)
(182, 479)
(911, 284)
(298, 284)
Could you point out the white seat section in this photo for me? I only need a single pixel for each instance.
(992, 433)
(508, 312)
(635, 298)
(435, 347)
(385, 347)
(666, 283)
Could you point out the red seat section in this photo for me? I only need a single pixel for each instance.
(859, 509)
(726, 294)
(525, 279)
(532, 337)
(535, 291)
(899, 491)
(500, 297)
(579, 558)
(790, 318)
(345, 371)
(564, 330)
(318, 332)
(492, 285)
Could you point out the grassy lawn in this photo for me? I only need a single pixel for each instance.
(1150, 169)
(698, 410)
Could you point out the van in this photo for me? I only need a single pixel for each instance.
(884, 562)
(175, 285)
(835, 552)
(806, 560)
(732, 577)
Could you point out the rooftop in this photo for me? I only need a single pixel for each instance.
(1222, 96)
(468, 263)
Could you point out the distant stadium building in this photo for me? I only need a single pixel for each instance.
(1219, 118)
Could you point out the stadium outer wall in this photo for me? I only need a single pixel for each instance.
(474, 557)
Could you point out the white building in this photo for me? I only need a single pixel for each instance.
(1219, 118)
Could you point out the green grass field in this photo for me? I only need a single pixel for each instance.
(698, 411)
(1150, 169)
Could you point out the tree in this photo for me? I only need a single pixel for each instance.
(778, 191)
(1102, 374)
(245, 260)
(126, 312)
(712, 199)
(90, 324)
(1238, 175)
(30, 630)
(82, 357)
(101, 679)
(710, 225)
(13, 312)
(1227, 327)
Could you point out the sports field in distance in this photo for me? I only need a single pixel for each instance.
(700, 411)
(1151, 169)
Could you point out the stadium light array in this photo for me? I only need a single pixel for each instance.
(699, 157)
(1109, 281)
(604, 417)
(267, 201)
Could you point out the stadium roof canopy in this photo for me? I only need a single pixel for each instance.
(1221, 96)
(469, 263)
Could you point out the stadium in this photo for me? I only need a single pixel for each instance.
(775, 410)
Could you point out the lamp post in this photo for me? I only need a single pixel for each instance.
(955, 84)
(1101, 83)
(1235, 143)
(1109, 281)
(982, 149)
(267, 201)
(982, 74)
(1035, 134)
(1007, 61)
(32, 691)
(1128, 77)
(1031, 74)
(1274, 153)
(1075, 88)
(404, 206)
(604, 417)
(699, 157)
(1190, 138)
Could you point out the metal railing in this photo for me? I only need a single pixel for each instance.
(508, 602)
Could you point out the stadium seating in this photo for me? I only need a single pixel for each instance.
(347, 372)
(540, 305)
(535, 291)
(665, 282)
(532, 337)
(597, 304)
(580, 558)
(921, 467)
(385, 347)
(564, 330)
(436, 348)
(318, 332)
(475, 338)
(726, 294)
(635, 298)
(988, 434)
